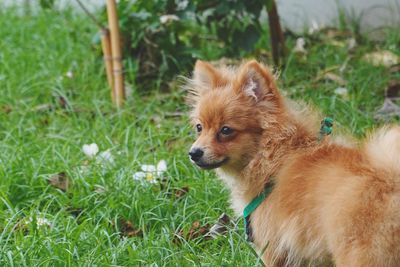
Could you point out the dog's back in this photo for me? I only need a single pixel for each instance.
(336, 201)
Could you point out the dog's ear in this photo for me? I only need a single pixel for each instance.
(205, 75)
(257, 82)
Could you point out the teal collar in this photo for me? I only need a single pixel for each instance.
(326, 128)
(253, 205)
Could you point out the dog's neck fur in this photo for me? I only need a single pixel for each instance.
(247, 183)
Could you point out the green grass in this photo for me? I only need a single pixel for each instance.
(35, 55)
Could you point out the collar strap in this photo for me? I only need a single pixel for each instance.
(253, 205)
(326, 128)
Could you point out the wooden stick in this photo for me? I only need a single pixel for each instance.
(106, 46)
(277, 38)
(118, 78)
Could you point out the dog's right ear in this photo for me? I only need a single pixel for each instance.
(205, 76)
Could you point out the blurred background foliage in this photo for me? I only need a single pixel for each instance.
(163, 38)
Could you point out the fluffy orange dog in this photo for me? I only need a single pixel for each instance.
(330, 201)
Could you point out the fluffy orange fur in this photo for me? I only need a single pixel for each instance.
(331, 202)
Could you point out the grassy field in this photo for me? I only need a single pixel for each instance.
(54, 99)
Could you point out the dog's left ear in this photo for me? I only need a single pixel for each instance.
(257, 82)
(206, 75)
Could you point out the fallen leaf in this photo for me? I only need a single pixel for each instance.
(170, 143)
(336, 33)
(197, 231)
(393, 89)
(328, 75)
(389, 109)
(175, 114)
(43, 108)
(181, 192)
(335, 78)
(128, 230)
(220, 228)
(194, 232)
(60, 181)
(44, 121)
(336, 43)
(75, 212)
(63, 102)
(395, 69)
(6, 109)
(382, 58)
(99, 189)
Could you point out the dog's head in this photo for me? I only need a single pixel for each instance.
(231, 109)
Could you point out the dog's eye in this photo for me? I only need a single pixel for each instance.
(226, 130)
(199, 128)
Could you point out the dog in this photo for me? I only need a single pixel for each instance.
(330, 201)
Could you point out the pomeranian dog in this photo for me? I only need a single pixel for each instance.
(331, 202)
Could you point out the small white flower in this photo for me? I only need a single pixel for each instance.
(40, 221)
(151, 173)
(105, 157)
(43, 222)
(168, 18)
(182, 5)
(299, 48)
(139, 176)
(342, 91)
(314, 27)
(161, 167)
(90, 150)
(148, 168)
(69, 74)
(351, 43)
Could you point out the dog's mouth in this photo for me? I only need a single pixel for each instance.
(209, 166)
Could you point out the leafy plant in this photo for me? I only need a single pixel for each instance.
(165, 37)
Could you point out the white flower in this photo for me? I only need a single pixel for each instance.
(314, 27)
(351, 43)
(148, 168)
(90, 150)
(40, 221)
(161, 167)
(342, 91)
(151, 173)
(139, 176)
(69, 74)
(299, 48)
(105, 157)
(168, 18)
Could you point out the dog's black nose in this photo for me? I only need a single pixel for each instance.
(196, 154)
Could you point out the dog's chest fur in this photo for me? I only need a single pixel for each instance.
(238, 200)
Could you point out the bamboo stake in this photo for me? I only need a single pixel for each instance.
(106, 47)
(277, 38)
(118, 79)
